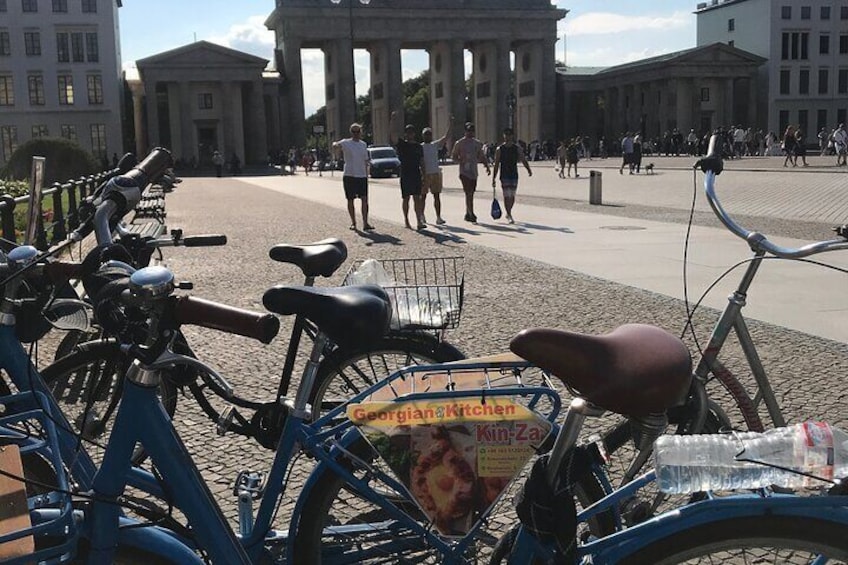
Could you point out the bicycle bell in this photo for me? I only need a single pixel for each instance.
(152, 283)
(22, 256)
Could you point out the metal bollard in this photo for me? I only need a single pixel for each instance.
(595, 187)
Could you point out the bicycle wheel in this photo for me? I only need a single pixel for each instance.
(764, 539)
(87, 385)
(363, 532)
(346, 372)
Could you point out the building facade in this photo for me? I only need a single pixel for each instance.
(204, 97)
(805, 80)
(60, 74)
(491, 29)
(699, 88)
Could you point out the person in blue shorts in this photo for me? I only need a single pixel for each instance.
(507, 157)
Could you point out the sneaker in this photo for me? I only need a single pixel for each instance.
(440, 221)
(421, 225)
(473, 219)
(509, 220)
(352, 227)
(467, 217)
(368, 227)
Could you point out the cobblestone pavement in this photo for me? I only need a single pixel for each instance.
(504, 294)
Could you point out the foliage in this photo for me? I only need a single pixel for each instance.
(14, 188)
(66, 160)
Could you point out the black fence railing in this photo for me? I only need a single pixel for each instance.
(54, 226)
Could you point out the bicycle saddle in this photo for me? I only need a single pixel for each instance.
(321, 258)
(348, 315)
(634, 370)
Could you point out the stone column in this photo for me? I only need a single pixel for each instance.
(340, 87)
(753, 114)
(294, 91)
(684, 105)
(546, 91)
(386, 91)
(485, 75)
(457, 93)
(257, 152)
(502, 90)
(137, 90)
(186, 148)
(226, 137)
(153, 137)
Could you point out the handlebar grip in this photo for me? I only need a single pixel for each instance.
(204, 240)
(712, 161)
(153, 165)
(127, 162)
(205, 313)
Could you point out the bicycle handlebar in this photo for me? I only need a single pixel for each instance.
(205, 313)
(712, 166)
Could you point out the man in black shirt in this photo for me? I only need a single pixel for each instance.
(411, 157)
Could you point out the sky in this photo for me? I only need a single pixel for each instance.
(595, 34)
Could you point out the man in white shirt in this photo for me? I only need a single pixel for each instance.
(432, 170)
(840, 144)
(355, 174)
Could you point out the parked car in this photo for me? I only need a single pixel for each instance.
(384, 161)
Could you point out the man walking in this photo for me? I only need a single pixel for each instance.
(355, 174)
(411, 156)
(432, 171)
(507, 157)
(468, 152)
(626, 153)
(840, 145)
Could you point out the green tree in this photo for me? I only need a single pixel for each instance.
(66, 160)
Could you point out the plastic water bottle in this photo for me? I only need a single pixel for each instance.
(696, 463)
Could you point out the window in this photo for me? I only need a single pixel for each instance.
(825, 12)
(35, 84)
(69, 132)
(63, 50)
(843, 12)
(77, 54)
(92, 49)
(784, 81)
(805, 12)
(66, 90)
(98, 139)
(804, 82)
(89, 6)
(204, 101)
(840, 116)
(731, 24)
(29, 5)
(823, 79)
(794, 45)
(39, 131)
(843, 44)
(60, 5)
(821, 119)
(3, 6)
(95, 89)
(5, 44)
(824, 44)
(783, 120)
(705, 94)
(803, 121)
(8, 140)
(32, 43)
(7, 91)
(842, 82)
(731, 43)
(786, 12)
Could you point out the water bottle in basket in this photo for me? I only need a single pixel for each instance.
(749, 460)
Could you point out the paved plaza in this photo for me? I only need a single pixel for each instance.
(564, 264)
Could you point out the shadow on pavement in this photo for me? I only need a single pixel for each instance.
(378, 238)
(441, 236)
(540, 227)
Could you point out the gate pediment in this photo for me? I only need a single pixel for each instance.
(202, 54)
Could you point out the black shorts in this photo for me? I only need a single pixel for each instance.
(355, 187)
(410, 185)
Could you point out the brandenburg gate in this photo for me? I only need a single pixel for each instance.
(491, 29)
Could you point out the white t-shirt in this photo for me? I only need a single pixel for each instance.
(355, 157)
(431, 157)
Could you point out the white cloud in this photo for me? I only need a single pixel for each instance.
(610, 56)
(250, 36)
(601, 23)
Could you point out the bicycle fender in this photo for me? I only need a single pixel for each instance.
(158, 541)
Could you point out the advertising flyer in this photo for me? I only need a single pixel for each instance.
(456, 456)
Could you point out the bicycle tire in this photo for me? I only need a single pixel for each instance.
(93, 373)
(329, 497)
(786, 533)
(346, 372)
(128, 555)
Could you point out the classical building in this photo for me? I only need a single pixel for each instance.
(805, 81)
(699, 88)
(60, 73)
(203, 97)
(490, 29)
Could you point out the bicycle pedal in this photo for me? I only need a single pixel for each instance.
(225, 420)
(250, 483)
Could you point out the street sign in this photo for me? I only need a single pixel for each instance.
(317, 129)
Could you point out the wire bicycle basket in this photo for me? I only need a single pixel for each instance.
(426, 294)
